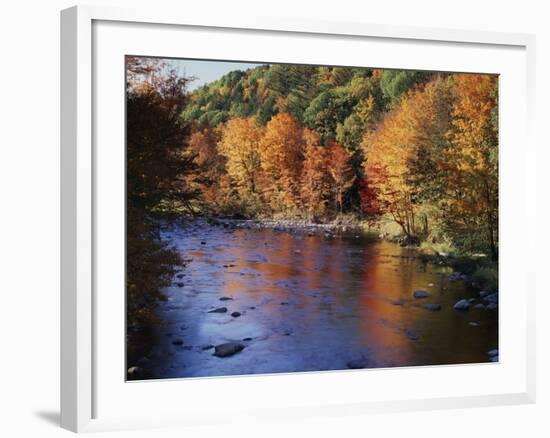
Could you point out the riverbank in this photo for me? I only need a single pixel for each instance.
(476, 269)
(331, 229)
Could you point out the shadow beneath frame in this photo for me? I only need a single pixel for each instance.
(51, 417)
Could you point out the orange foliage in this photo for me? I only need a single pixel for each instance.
(341, 171)
(281, 152)
(315, 188)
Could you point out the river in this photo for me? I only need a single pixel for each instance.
(306, 303)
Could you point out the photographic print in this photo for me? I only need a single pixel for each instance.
(285, 218)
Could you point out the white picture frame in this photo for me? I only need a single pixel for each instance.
(83, 369)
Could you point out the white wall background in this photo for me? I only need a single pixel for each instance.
(29, 215)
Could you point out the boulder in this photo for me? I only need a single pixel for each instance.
(236, 314)
(462, 305)
(225, 298)
(228, 349)
(491, 306)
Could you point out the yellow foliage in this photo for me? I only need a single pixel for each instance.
(240, 145)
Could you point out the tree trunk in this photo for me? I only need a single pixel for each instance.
(491, 233)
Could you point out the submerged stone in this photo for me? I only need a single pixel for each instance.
(432, 306)
(218, 310)
(228, 349)
(462, 305)
(421, 294)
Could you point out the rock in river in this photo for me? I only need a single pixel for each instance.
(421, 294)
(226, 299)
(432, 306)
(228, 349)
(218, 310)
(236, 314)
(462, 305)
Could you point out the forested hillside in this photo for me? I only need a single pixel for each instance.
(292, 140)
(323, 144)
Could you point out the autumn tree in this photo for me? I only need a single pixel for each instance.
(240, 145)
(157, 158)
(281, 151)
(341, 172)
(387, 152)
(315, 180)
(157, 167)
(210, 167)
(472, 164)
(370, 200)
